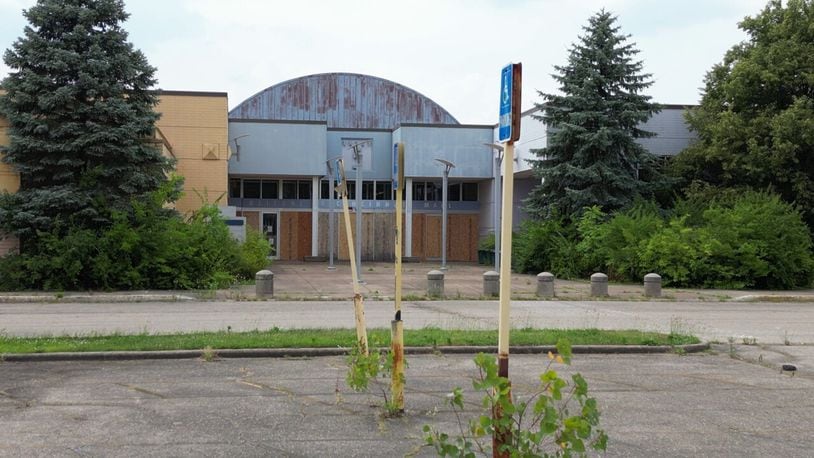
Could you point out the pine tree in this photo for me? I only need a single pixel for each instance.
(80, 103)
(592, 157)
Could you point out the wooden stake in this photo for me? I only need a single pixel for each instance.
(358, 302)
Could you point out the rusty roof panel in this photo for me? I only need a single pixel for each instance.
(343, 100)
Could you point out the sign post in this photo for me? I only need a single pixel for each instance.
(508, 133)
(397, 326)
(358, 303)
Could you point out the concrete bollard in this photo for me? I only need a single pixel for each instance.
(545, 284)
(599, 285)
(652, 285)
(435, 283)
(491, 283)
(264, 283)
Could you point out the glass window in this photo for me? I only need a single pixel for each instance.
(351, 189)
(454, 192)
(234, 188)
(418, 191)
(324, 190)
(289, 189)
(384, 190)
(469, 192)
(304, 189)
(433, 192)
(251, 189)
(270, 190)
(367, 190)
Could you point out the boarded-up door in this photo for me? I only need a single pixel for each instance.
(295, 236)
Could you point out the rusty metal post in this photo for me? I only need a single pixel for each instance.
(397, 326)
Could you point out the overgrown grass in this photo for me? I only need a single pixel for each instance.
(326, 338)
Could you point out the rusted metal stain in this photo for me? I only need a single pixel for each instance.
(343, 100)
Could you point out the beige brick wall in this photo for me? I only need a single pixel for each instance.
(195, 124)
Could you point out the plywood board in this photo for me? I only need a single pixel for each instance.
(303, 247)
(462, 238)
(432, 236)
(418, 235)
(252, 219)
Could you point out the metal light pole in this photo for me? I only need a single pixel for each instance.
(447, 167)
(497, 197)
(357, 157)
(331, 223)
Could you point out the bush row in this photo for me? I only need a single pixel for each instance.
(753, 240)
(146, 247)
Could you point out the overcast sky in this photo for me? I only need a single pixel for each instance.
(448, 50)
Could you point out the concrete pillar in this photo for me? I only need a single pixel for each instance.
(545, 284)
(599, 285)
(652, 285)
(315, 216)
(408, 217)
(491, 283)
(435, 283)
(264, 284)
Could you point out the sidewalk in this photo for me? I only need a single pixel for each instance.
(313, 281)
(300, 280)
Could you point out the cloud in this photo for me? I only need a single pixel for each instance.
(450, 51)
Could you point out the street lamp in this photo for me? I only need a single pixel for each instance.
(237, 146)
(498, 149)
(357, 157)
(331, 223)
(447, 167)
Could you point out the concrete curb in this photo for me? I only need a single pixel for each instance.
(338, 351)
(93, 298)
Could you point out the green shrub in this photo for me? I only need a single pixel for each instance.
(147, 246)
(548, 245)
(674, 252)
(254, 253)
(487, 243)
(753, 240)
(762, 242)
(622, 239)
(744, 240)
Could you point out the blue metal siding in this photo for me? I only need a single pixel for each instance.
(278, 149)
(463, 146)
(382, 151)
(343, 100)
(672, 133)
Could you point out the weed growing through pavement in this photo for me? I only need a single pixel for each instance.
(208, 354)
(541, 425)
(731, 341)
(749, 340)
(373, 368)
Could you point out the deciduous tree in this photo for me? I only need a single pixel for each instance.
(755, 122)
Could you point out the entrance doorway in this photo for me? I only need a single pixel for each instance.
(270, 230)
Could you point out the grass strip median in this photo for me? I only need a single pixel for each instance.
(328, 338)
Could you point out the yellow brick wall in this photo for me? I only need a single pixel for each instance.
(9, 181)
(8, 178)
(189, 121)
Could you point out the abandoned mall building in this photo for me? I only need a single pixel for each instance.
(265, 163)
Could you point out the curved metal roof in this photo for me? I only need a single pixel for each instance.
(343, 100)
